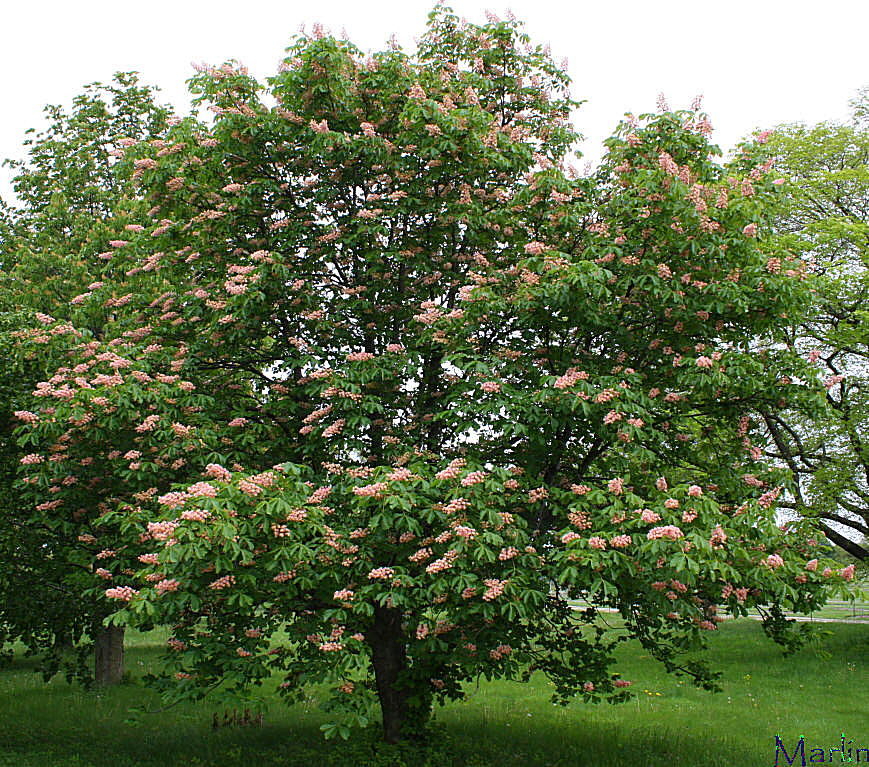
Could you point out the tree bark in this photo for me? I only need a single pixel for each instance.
(405, 702)
(389, 658)
(109, 656)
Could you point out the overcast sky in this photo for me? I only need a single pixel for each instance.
(757, 63)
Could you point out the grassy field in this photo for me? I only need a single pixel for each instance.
(821, 692)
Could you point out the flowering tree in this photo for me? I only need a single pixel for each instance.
(442, 391)
(67, 190)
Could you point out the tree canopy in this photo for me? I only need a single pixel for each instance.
(385, 396)
(824, 216)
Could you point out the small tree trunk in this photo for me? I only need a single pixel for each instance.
(389, 658)
(109, 656)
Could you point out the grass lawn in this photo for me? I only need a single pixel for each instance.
(820, 692)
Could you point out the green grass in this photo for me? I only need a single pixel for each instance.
(820, 692)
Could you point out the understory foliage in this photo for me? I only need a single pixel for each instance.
(384, 389)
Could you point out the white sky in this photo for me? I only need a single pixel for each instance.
(758, 62)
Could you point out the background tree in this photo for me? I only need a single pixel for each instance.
(68, 190)
(446, 388)
(824, 216)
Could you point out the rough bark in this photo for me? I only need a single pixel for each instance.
(109, 656)
(389, 658)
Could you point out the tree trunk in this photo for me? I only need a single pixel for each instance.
(109, 656)
(389, 658)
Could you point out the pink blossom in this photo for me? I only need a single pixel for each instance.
(695, 491)
(167, 584)
(750, 230)
(473, 478)
(173, 499)
(249, 488)
(596, 542)
(381, 573)
(570, 378)
(661, 484)
(124, 593)
(667, 531)
(161, 531)
(224, 582)
(704, 362)
(202, 489)
(216, 471)
(374, 490)
(616, 486)
(847, 572)
(538, 494)
(466, 532)
(620, 541)
(773, 561)
(494, 589)
(812, 565)
(490, 387)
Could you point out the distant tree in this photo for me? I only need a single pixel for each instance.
(823, 215)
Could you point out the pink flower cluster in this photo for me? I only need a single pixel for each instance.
(444, 563)
(161, 531)
(453, 469)
(570, 378)
(124, 593)
(473, 478)
(148, 424)
(494, 589)
(381, 573)
(616, 486)
(667, 531)
(204, 489)
(538, 494)
(167, 584)
(374, 490)
(224, 582)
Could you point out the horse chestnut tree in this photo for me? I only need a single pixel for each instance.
(445, 396)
